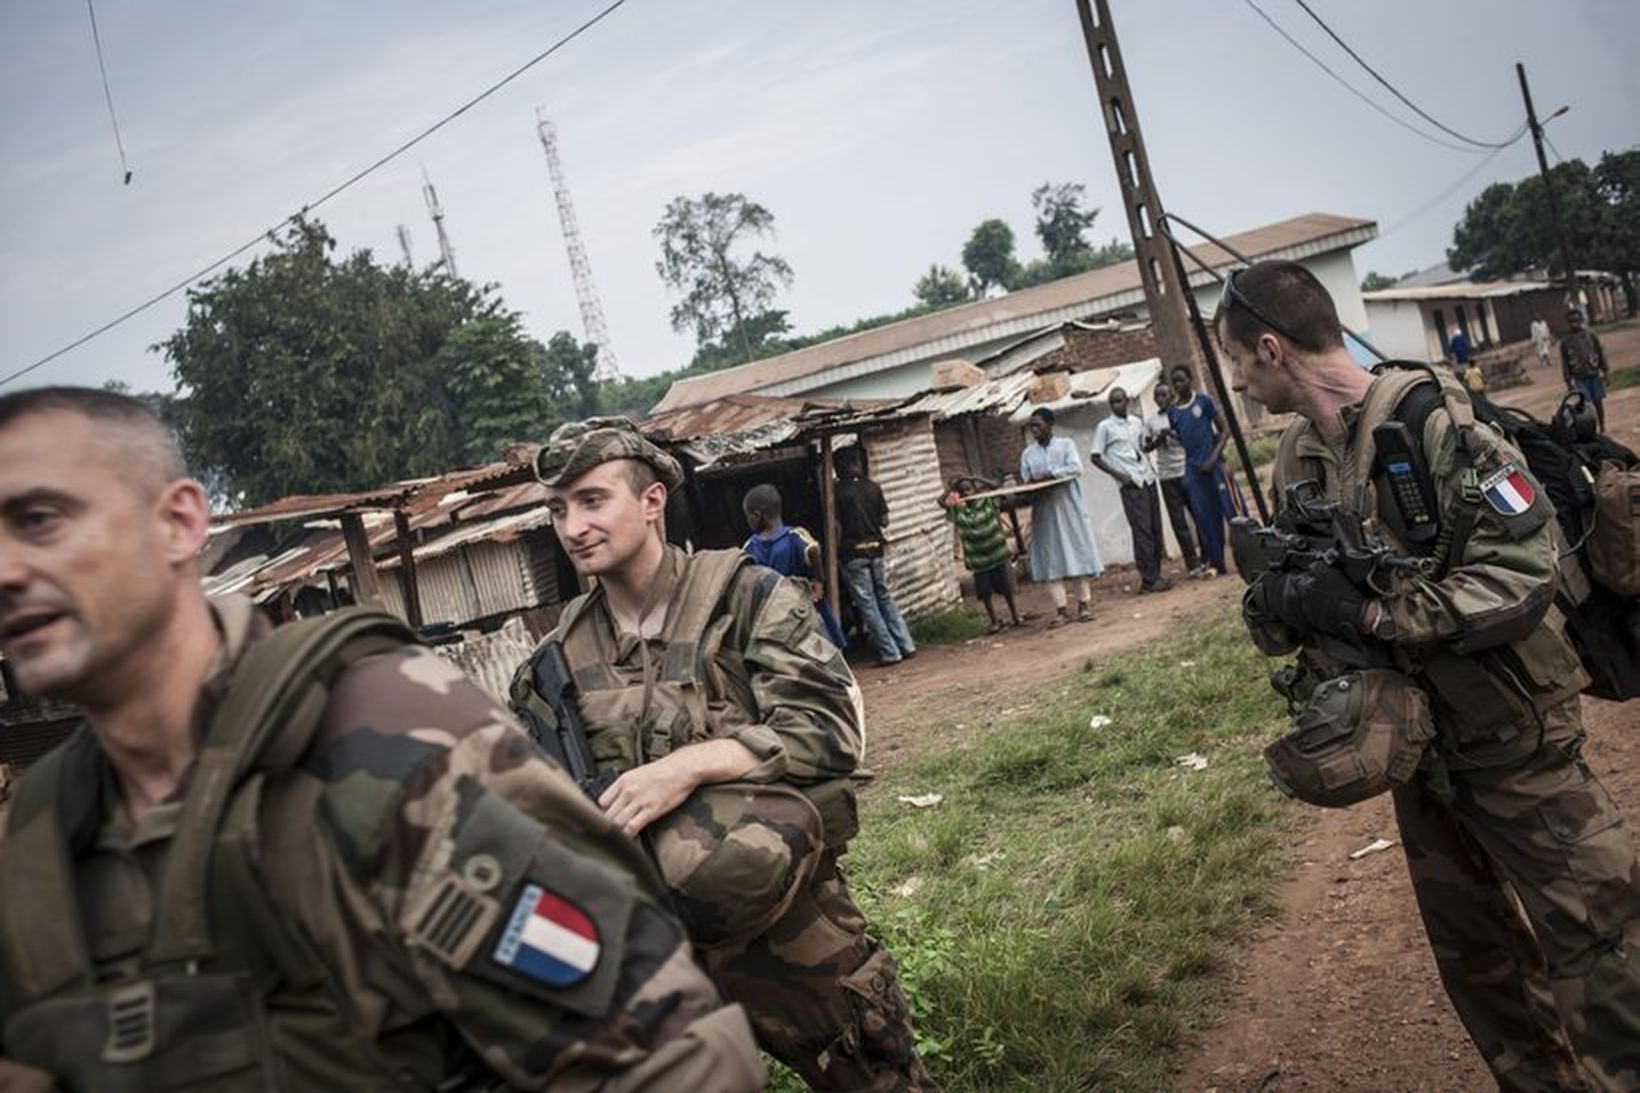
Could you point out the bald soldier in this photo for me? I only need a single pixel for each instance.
(1523, 870)
(734, 727)
(309, 858)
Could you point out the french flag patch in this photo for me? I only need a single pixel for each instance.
(548, 938)
(1508, 491)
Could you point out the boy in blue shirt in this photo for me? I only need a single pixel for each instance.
(1196, 423)
(789, 551)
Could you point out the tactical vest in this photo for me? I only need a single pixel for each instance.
(1482, 696)
(229, 994)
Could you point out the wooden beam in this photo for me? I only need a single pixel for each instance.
(367, 585)
(828, 505)
(408, 582)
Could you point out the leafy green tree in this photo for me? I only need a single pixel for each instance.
(1061, 220)
(302, 373)
(1374, 281)
(988, 256)
(940, 287)
(723, 292)
(1510, 229)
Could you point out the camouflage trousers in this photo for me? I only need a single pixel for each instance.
(1529, 889)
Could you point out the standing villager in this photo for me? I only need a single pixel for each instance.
(1540, 340)
(1523, 870)
(316, 857)
(1168, 453)
(1118, 450)
(1583, 364)
(984, 546)
(1197, 424)
(788, 550)
(1062, 547)
(732, 729)
(862, 520)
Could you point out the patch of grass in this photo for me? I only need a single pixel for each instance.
(954, 624)
(1624, 324)
(1262, 449)
(1062, 917)
(1623, 377)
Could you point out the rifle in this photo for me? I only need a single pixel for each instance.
(566, 739)
(1311, 531)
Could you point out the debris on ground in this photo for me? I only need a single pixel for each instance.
(1098, 721)
(1371, 848)
(1193, 761)
(922, 800)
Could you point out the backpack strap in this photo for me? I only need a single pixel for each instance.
(1414, 410)
(43, 946)
(266, 720)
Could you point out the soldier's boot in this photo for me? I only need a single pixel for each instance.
(823, 997)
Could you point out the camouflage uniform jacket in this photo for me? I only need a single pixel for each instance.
(768, 678)
(1481, 633)
(428, 799)
(1581, 355)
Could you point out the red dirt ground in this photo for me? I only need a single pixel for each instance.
(1340, 992)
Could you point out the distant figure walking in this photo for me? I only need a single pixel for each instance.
(1540, 340)
(1583, 364)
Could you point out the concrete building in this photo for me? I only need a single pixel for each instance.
(893, 361)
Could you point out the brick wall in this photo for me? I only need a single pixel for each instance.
(1085, 349)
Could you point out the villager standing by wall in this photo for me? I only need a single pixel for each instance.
(1062, 546)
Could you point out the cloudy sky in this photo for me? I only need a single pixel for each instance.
(877, 133)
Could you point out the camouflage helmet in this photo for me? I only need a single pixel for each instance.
(578, 446)
(1358, 735)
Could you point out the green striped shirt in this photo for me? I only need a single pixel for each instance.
(979, 524)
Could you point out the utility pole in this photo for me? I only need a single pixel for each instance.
(580, 268)
(1548, 183)
(446, 253)
(404, 244)
(1164, 289)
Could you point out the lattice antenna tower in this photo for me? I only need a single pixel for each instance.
(403, 233)
(447, 254)
(586, 293)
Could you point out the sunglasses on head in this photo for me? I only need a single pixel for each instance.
(1231, 296)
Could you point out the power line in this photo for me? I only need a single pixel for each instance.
(1391, 87)
(347, 183)
(1407, 218)
(1351, 88)
(108, 96)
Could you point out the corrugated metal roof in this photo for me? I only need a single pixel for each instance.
(413, 495)
(1462, 290)
(1086, 387)
(1086, 291)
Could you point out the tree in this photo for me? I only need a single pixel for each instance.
(1061, 220)
(721, 292)
(940, 287)
(1510, 228)
(988, 256)
(1374, 281)
(301, 373)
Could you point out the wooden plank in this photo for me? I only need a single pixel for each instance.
(409, 583)
(828, 507)
(1017, 489)
(367, 585)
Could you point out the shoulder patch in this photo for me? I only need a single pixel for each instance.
(1509, 491)
(549, 938)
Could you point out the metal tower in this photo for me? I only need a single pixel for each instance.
(447, 255)
(586, 294)
(404, 244)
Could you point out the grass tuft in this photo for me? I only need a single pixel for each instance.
(1623, 377)
(954, 624)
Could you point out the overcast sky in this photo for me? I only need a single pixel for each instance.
(877, 133)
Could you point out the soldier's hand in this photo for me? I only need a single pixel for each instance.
(1318, 600)
(644, 794)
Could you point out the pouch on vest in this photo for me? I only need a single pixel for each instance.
(1359, 735)
(1614, 543)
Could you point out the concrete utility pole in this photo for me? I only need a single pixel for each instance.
(404, 244)
(1164, 289)
(580, 268)
(446, 252)
(1548, 183)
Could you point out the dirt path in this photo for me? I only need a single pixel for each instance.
(1341, 993)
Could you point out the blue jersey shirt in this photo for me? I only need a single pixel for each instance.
(1193, 425)
(785, 552)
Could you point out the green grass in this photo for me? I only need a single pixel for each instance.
(1622, 324)
(1062, 917)
(1261, 448)
(954, 624)
(1623, 377)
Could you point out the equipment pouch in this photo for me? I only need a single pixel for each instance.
(1614, 544)
(1359, 735)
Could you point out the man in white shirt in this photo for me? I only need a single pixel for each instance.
(1540, 340)
(1118, 450)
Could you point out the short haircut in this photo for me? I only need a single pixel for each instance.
(148, 451)
(849, 459)
(1042, 413)
(640, 475)
(762, 498)
(1289, 296)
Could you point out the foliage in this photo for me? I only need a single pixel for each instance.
(1509, 228)
(1061, 220)
(1064, 914)
(1375, 281)
(988, 256)
(301, 373)
(941, 287)
(722, 293)
(955, 624)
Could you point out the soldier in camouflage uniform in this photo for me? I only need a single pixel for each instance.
(411, 896)
(1503, 817)
(1583, 364)
(735, 727)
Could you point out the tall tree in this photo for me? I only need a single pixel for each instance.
(988, 256)
(940, 287)
(722, 290)
(1061, 220)
(1509, 227)
(302, 373)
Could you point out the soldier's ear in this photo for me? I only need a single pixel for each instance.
(653, 501)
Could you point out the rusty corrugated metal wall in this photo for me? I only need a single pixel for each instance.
(474, 581)
(922, 573)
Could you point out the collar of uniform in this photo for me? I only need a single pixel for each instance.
(668, 577)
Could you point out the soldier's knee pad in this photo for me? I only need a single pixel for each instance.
(735, 856)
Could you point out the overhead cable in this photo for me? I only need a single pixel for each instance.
(350, 181)
(1345, 46)
(108, 96)
(1407, 218)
